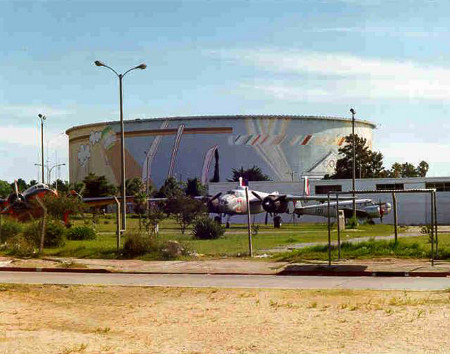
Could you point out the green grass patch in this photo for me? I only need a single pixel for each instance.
(233, 243)
(410, 247)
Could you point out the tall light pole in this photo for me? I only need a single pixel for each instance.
(49, 173)
(122, 136)
(353, 112)
(42, 118)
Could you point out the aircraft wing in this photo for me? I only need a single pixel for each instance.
(313, 197)
(102, 201)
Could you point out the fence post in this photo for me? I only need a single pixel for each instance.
(394, 202)
(338, 227)
(118, 226)
(435, 225)
(329, 231)
(432, 228)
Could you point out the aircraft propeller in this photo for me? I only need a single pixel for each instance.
(216, 196)
(16, 188)
(257, 196)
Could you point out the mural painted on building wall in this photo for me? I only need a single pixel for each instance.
(185, 147)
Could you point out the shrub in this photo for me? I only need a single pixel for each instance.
(10, 228)
(81, 233)
(352, 223)
(207, 229)
(138, 244)
(54, 233)
(20, 246)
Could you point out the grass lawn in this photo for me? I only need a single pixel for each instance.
(408, 247)
(233, 243)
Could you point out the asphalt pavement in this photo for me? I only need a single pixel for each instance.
(229, 281)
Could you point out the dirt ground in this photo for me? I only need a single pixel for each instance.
(94, 319)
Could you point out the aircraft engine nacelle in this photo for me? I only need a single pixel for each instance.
(275, 205)
(214, 206)
(373, 211)
(13, 197)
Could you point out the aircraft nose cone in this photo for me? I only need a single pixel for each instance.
(388, 208)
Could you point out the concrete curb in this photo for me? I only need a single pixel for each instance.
(319, 272)
(334, 273)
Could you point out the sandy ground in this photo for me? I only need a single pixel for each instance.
(94, 319)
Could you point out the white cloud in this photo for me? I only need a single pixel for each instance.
(326, 76)
(31, 137)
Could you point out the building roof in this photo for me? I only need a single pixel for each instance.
(238, 116)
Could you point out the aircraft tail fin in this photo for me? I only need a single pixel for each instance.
(243, 182)
(306, 190)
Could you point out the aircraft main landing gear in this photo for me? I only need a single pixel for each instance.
(277, 221)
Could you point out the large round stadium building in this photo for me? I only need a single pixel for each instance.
(285, 147)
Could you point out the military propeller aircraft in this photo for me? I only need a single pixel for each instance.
(365, 209)
(20, 206)
(234, 202)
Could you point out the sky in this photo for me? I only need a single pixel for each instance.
(389, 60)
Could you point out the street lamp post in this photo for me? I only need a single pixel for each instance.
(49, 173)
(122, 136)
(42, 118)
(353, 112)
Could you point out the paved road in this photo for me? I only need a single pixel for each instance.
(229, 281)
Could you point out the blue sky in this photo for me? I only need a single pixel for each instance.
(387, 59)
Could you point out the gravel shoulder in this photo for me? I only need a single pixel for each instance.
(89, 319)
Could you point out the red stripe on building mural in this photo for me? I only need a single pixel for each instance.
(257, 138)
(306, 140)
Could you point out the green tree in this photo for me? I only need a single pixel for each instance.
(422, 168)
(194, 188)
(396, 170)
(5, 189)
(408, 170)
(184, 209)
(61, 186)
(97, 186)
(251, 174)
(369, 164)
(170, 189)
(134, 186)
(21, 184)
(77, 187)
(57, 207)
